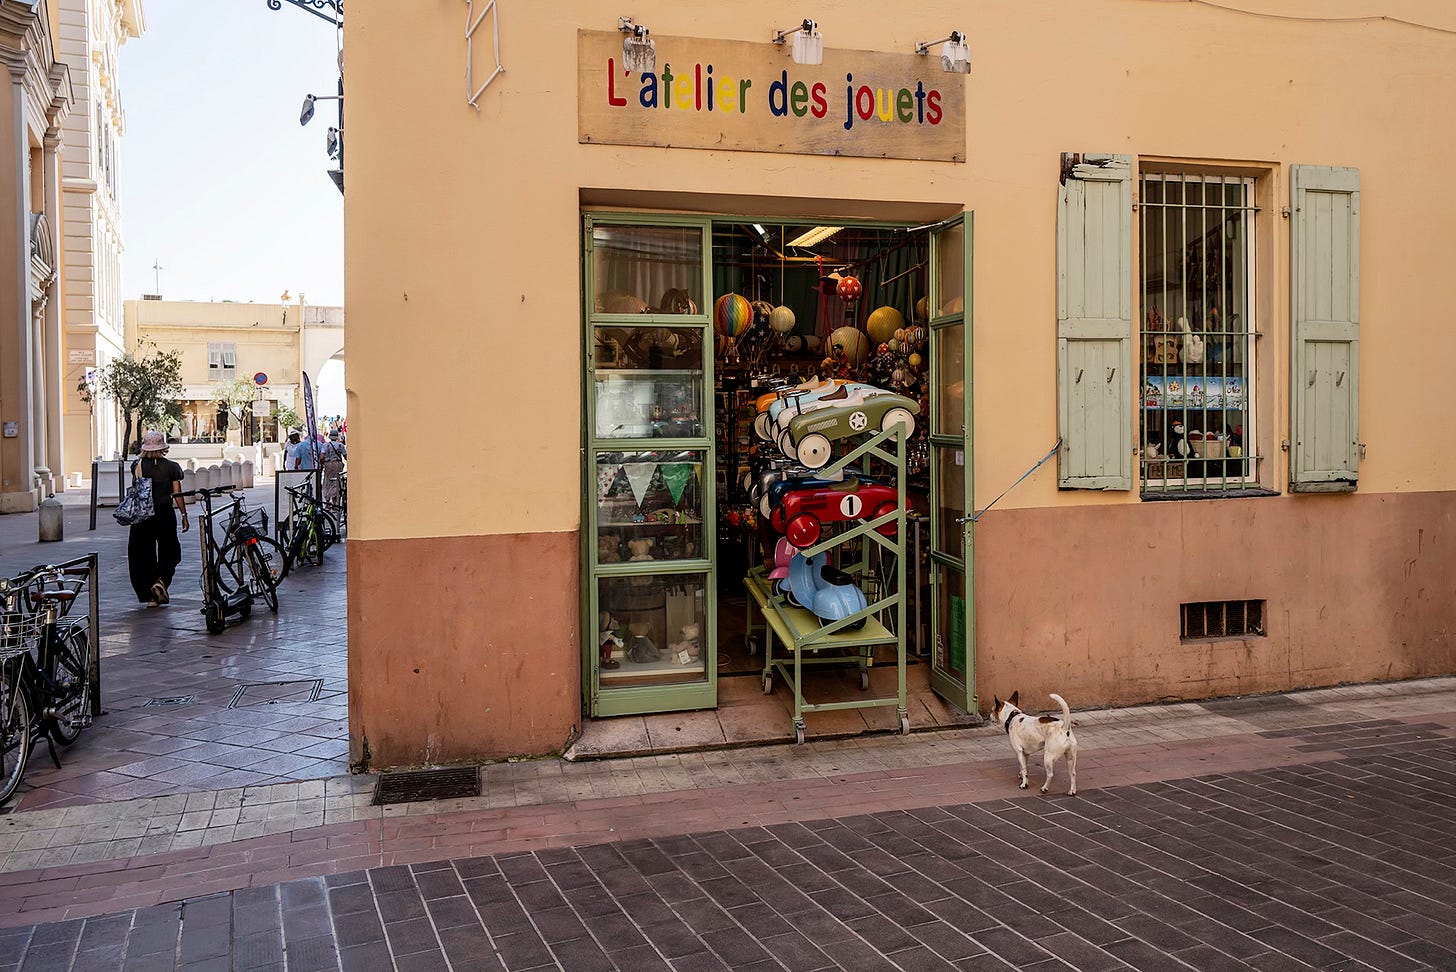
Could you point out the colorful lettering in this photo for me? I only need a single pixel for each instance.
(864, 102)
(778, 96)
(743, 87)
(612, 98)
(710, 87)
(799, 99)
(849, 102)
(667, 86)
(725, 94)
(647, 97)
(884, 104)
(682, 91)
(904, 105)
(920, 100)
(698, 86)
(821, 106)
(932, 107)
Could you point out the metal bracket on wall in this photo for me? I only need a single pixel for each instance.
(472, 24)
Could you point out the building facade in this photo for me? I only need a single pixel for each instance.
(32, 113)
(1147, 235)
(268, 345)
(92, 33)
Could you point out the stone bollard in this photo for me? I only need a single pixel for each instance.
(52, 520)
(237, 466)
(204, 477)
(76, 479)
(247, 475)
(189, 483)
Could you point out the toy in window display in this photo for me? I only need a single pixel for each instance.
(641, 649)
(1192, 350)
(849, 289)
(851, 342)
(689, 647)
(882, 324)
(808, 436)
(677, 301)
(826, 591)
(781, 320)
(1178, 447)
(641, 550)
(609, 548)
(607, 639)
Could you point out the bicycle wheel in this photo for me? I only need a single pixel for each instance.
(72, 674)
(14, 729)
(328, 529)
(255, 565)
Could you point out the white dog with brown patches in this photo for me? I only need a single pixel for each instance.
(1028, 734)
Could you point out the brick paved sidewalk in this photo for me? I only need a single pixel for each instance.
(175, 721)
(1308, 831)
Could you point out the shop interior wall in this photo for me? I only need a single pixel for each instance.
(463, 240)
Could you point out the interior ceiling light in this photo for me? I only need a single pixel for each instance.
(808, 42)
(639, 52)
(955, 53)
(814, 236)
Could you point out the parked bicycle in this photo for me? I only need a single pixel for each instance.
(246, 564)
(309, 529)
(45, 667)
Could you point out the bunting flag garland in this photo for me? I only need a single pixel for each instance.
(676, 475)
(606, 476)
(639, 474)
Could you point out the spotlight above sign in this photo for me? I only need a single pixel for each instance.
(955, 53)
(808, 47)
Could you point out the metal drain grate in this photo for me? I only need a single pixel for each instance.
(270, 693)
(175, 700)
(417, 786)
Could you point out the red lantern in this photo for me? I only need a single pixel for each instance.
(849, 288)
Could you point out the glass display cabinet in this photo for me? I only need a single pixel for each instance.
(649, 622)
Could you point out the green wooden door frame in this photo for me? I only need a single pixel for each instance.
(948, 625)
(647, 698)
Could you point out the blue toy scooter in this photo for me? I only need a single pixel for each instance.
(826, 591)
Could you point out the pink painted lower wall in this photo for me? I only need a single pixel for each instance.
(1085, 601)
(462, 648)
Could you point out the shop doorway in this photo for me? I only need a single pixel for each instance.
(690, 322)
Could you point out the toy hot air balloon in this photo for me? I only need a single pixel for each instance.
(882, 324)
(849, 288)
(781, 319)
(732, 315)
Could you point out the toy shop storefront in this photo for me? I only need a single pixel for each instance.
(775, 402)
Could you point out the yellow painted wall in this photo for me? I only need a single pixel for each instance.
(462, 229)
(263, 342)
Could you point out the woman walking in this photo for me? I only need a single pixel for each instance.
(153, 550)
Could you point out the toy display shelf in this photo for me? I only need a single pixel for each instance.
(640, 673)
(802, 633)
(690, 521)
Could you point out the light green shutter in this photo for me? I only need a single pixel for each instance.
(1094, 324)
(1325, 325)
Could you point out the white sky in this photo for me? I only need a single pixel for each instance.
(218, 180)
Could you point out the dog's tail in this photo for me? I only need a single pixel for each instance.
(1066, 712)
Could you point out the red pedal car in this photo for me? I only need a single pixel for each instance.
(801, 515)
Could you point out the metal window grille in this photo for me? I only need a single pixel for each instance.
(1196, 432)
(1221, 619)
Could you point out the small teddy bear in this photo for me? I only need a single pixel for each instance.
(609, 548)
(639, 550)
(689, 642)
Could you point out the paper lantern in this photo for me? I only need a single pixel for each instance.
(849, 288)
(732, 315)
(915, 361)
(916, 337)
(851, 342)
(781, 319)
(922, 307)
(882, 324)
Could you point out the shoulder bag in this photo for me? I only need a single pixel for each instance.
(136, 506)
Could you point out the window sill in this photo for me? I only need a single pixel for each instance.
(1241, 492)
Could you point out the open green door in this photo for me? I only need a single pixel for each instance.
(953, 659)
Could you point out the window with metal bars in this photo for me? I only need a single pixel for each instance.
(1196, 432)
(1202, 620)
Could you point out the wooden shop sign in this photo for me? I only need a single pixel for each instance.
(737, 96)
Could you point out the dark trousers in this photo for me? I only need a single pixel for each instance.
(153, 552)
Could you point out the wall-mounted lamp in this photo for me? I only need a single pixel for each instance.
(639, 52)
(955, 53)
(808, 42)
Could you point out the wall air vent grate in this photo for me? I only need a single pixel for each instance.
(1204, 620)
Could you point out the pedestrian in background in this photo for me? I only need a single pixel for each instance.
(302, 451)
(152, 548)
(334, 455)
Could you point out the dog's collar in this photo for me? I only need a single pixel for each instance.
(1007, 724)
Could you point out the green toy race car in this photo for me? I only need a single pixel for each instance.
(809, 437)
